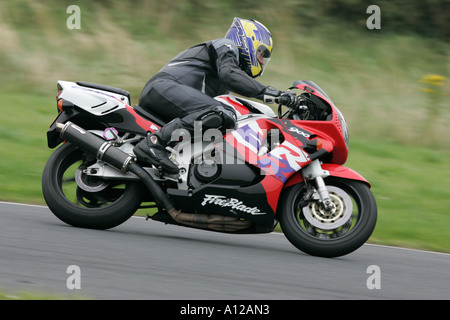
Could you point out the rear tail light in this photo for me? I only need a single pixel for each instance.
(60, 104)
(59, 101)
(59, 92)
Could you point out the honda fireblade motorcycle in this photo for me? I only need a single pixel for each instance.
(272, 168)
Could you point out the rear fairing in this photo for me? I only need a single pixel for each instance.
(97, 109)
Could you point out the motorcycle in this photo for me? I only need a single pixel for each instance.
(284, 168)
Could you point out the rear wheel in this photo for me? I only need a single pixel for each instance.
(313, 230)
(83, 201)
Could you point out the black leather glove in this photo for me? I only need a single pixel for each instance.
(271, 95)
(288, 98)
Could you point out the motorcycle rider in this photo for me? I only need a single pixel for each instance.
(182, 91)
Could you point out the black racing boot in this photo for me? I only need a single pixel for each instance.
(152, 149)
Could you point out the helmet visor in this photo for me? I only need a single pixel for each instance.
(263, 55)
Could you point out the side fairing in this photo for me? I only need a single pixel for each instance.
(256, 202)
(249, 143)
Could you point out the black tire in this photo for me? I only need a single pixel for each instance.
(97, 210)
(335, 242)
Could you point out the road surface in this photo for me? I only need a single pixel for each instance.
(149, 260)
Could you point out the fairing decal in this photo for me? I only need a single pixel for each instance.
(143, 123)
(282, 161)
(237, 106)
(272, 187)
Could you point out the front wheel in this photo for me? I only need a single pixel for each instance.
(317, 232)
(82, 201)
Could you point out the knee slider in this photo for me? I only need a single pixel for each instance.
(218, 118)
(228, 117)
(211, 120)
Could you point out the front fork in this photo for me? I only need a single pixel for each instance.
(315, 172)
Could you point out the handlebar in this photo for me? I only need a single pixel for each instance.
(300, 103)
(299, 107)
(282, 100)
(294, 103)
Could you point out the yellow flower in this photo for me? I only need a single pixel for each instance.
(433, 79)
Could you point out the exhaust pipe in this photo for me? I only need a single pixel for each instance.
(106, 152)
(210, 221)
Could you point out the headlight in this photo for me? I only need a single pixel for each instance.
(344, 128)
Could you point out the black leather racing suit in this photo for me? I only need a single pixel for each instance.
(185, 87)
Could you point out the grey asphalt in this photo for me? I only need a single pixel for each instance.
(149, 260)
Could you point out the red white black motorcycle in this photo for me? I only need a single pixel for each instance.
(285, 168)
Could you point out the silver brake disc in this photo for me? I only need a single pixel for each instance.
(317, 216)
(90, 184)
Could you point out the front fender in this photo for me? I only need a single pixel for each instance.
(339, 171)
(335, 170)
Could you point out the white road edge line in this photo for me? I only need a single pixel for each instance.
(276, 233)
(23, 204)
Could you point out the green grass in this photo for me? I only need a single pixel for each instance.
(410, 187)
(37, 295)
(23, 125)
